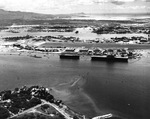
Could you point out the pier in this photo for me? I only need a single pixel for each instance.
(103, 116)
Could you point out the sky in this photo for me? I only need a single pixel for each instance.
(77, 6)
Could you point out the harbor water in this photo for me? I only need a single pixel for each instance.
(122, 89)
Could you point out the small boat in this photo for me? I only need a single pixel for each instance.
(35, 56)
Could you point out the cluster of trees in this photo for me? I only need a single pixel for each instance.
(127, 39)
(4, 113)
(18, 38)
(121, 29)
(38, 116)
(45, 38)
(3, 28)
(55, 28)
(23, 98)
(23, 47)
(140, 29)
(111, 29)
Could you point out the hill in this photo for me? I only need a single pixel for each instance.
(17, 17)
(11, 15)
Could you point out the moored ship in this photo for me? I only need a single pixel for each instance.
(69, 54)
(110, 55)
(109, 58)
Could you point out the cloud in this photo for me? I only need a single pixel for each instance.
(84, 2)
(147, 0)
(142, 0)
(70, 6)
(117, 2)
(137, 7)
(2, 7)
(121, 2)
(28, 5)
(101, 1)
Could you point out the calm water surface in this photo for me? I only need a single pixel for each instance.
(84, 34)
(119, 88)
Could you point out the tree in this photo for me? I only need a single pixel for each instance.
(7, 95)
(4, 113)
(50, 98)
(75, 117)
(14, 110)
(45, 106)
(35, 101)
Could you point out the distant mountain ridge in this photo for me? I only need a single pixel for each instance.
(11, 15)
(8, 18)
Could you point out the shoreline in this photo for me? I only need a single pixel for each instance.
(75, 97)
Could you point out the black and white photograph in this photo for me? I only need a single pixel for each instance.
(74, 59)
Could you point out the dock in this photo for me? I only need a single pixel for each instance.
(106, 116)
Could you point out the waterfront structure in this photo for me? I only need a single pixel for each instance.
(148, 37)
(103, 116)
(83, 51)
(110, 55)
(109, 58)
(69, 54)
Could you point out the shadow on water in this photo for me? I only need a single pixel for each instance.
(108, 63)
(65, 61)
(68, 59)
(69, 63)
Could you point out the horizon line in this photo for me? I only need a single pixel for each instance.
(123, 13)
